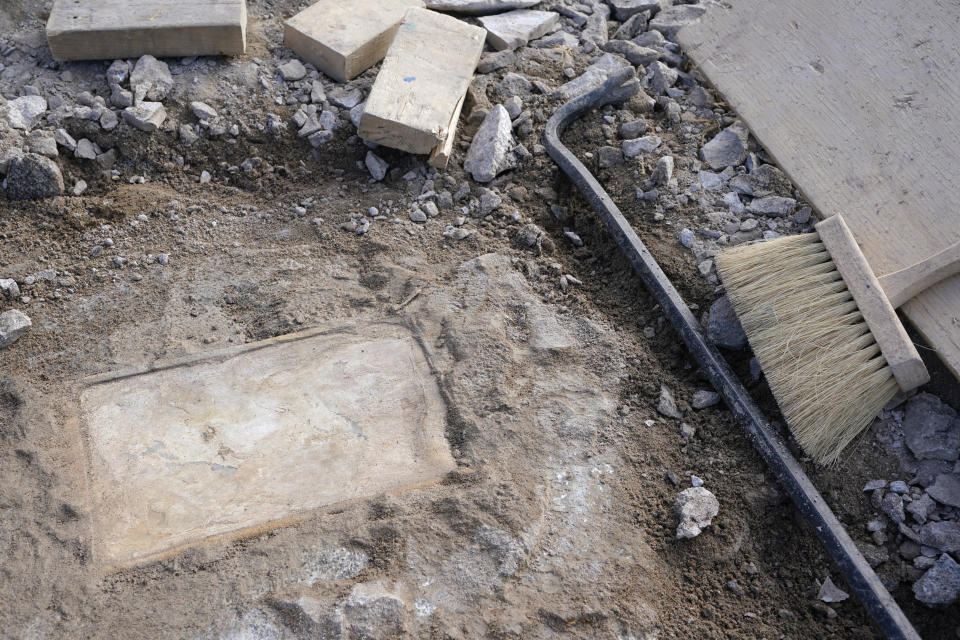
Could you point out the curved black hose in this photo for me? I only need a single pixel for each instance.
(858, 574)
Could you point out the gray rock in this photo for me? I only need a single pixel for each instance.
(892, 505)
(728, 148)
(31, 177)
(516, 28)
(593, 76)
(712, 182)
(772, 206)
(703, 398)
(686, 237)
(64, 139)
(514, 84)
(109, 120)
(530, 235)
(489, 153)
(636, 54)
(668, 405)
(79, 187)
(633, 26)
(43, 143)
(496, 60)
(150, 79)
(118, 72)
(624, 9)
(292, 70)
(317, 92)
(345, 98)
(661, 78)
(931, 428)
(376, 166)
(921, 508)
(723, 327)
(120, 97)
(609, 157)
(697, 508)
(356, 113)
(873, 485)
(646, 144)
(671, 20)
(418, 216)
(830, 592)
(188, 136)
(13, 324)
(10, 288)
(85, 150)
(430, 208)
(203, 111)
(556, 39)
(899, 486)
(946, 489)
(146, 116)
(513, 105)
(940, 585)
(943, 535)
(479, 7)
(634, 129)
(23, 112)
(594, 33)
(662, 173)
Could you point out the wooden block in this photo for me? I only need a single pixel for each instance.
(859, 104)
(422, 82)
(344, 39)
(111, 29)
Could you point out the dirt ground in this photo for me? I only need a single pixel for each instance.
(558, 521)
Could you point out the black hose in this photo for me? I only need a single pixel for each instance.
(858, 574)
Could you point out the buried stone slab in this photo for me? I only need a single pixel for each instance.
(235, 442)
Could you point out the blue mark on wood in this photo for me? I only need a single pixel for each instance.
(409, 79)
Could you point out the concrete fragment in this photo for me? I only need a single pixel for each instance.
(376, 165)
(772, 206)
(23, 112)
(343, 39)
(85, 150)
(479, 7)
(43, 143)
(10, 288)
(146, 116)
(672, 19)
(662, 172)
(594, 75)
(489, 152)
(109, 120)
(516, 28)
(943, 535)
(931, 428)
(203, 111)
(636, 54)
(633, 129)
(830, 592)
(728, 148)
(696, 507)
(150, 79)
(940, 585)
(668, 405)
(416, 99)
(118, 72)
(496, 60)
(32, 177)
(120, 97)
(723, 327)
(946, 489)
(64, 139)
(703, 398)
(646, 144)
(624, 9)
(13, 324)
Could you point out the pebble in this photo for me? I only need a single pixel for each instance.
(163, 258)
(899, 486)
(574, 238)
(10, 288)
(668, 405)
(633, 129)
(146, 116)
(292, 70)
(663, 172)
(23, 112)
(772, 206)
(696, 481)
(703, 398)
(376, 165)
(727, 149)
(109, 120)
(830, 592)
(686, 237)
(79, 187)
(205, 177)
(892, 505)
(940, 585)
(418, 216)
(646, 144)
(31, 177)
(203, 111)
(13, 324)
(696, 507)
(723, 327)
(489, 152)
(85, 150)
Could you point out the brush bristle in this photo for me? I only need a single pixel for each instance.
(817, 353)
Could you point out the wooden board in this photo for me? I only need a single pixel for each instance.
(344, 39)
(111, 29)
(859, 102)
(422, 82)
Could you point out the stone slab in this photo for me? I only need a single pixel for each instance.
(111, 29)
(422, 82)
(344, 39)
(239, 441)
(515, 29)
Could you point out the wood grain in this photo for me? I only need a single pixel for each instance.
(859, 102)
(111, 29)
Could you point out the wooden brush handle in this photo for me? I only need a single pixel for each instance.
(904, 284)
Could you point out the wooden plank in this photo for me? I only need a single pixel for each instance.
(859, 102)
(423, 80)
(344, 39)
(111, 29)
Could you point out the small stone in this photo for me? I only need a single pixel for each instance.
(513, 105)
(633, 129)
(320, 138)
(830, 592)
(728, 148)
(931, 428)
(489, 153)
(574, 238)
(64, 139)
(205, 177)
(188, 136)
(873, 485)
(150, 79)
(118, 72)
(13, 324)
(943, 535)
(899, 486)
(163, 258)
(672, 19)
(345, 98)
(667, 405)
(803, 216)
(772, 206)
(703, 398)
(625, 9)
(430, 208)
(43, 143)
(686, 431)
(940, 585)
(120, 97)
(31, 177)
(317, 92)
(292, 70)
(946, 489)
(637, 55)
(85, 150)
(723, 327)
(496, 60)
(696, 481)
(203, 111)
(516, 28)
(24, 112)
(10, 288)
(79, 187)
(892, 505)
(418, 216)
(921, 508)
(646, 144)
(109, 120)
(686, 237)
(376, 166)
(696, 507)
(146, 116)
(662, 174)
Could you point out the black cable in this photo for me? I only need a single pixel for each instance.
(879, 603)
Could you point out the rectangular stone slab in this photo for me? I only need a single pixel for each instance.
(110, 29)
(344, 39)
(860, 104)
(422, 81)
(236, 442)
